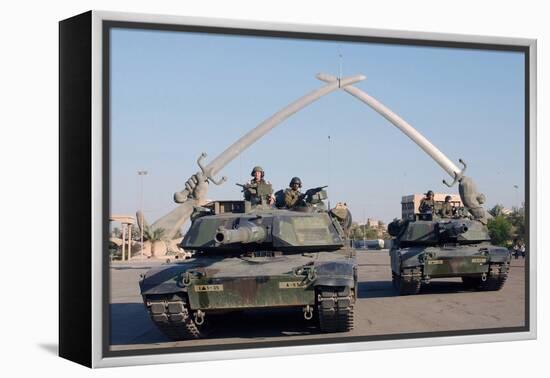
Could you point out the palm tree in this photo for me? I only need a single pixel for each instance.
(496, 210)
(153, 235)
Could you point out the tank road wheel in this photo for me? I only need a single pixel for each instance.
(495, 279)
(173, 317)
(335, 308)
(408, 282)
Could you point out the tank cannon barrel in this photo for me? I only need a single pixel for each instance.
(243, 234)
(454, 229)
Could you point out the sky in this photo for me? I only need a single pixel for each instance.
(175, 95)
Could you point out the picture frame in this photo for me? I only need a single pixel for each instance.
(85, 165)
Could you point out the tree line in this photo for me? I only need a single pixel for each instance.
(506, 226)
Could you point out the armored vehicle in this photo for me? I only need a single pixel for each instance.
(429, 247)
(256, 257)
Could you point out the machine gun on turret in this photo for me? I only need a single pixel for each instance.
(314, 195)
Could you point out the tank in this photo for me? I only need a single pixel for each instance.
(429, 247)
(256, 257)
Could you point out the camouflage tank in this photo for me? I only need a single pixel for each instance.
(256, 257)
(428, 247)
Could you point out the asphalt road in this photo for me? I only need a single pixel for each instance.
(441, 306)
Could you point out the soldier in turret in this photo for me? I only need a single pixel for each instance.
(427, 205)
(447, 209)
(251, 190)
(292, 195)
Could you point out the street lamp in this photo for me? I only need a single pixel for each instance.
(517, 196)
(141, 174)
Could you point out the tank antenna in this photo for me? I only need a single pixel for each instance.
(340, 63)
(328, 170)
(340, 75)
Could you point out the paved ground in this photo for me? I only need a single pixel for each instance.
(441, 306)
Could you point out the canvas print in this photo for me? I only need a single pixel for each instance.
(277, 190)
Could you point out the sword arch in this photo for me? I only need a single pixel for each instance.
(197, 185)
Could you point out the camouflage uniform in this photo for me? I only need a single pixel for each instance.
(292, 197)
(251, 192)
(426, 206)
(446, 210)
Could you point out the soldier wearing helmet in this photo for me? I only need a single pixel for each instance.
(447, 209)
(293, 196)
(427, 205)
(256, 185)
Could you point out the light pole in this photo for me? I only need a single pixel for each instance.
(365, 228)
(517, 196)
(141, 174)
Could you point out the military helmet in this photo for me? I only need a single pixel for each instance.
(257, 169)
(295, 180)
(429, 193)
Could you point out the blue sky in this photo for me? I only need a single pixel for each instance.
(175, 95)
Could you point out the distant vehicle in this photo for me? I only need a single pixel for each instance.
(430, 247)
(369, 244)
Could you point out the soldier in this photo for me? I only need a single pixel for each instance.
(293, 196)
(447, 210)
(522, 249)
(427, 205)
(516, 248)
(251, 188)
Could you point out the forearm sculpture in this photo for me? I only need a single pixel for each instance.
(471, 198)
(197, 185)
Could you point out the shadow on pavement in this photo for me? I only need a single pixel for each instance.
(375, 289)
(131, 324)
(383, 289)
(443, 287)
(130, 267)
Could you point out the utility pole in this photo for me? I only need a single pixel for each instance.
(365, 228)
(141, 174)
(517, 196)
(328, 166)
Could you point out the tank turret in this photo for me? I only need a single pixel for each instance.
(265, 229)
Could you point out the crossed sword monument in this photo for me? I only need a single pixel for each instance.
(196, 186)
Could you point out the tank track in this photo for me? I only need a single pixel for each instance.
(172, 317)
(335, 309)
(496, 277)
(408, 282)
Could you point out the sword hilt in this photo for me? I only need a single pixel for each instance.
(204, 175)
